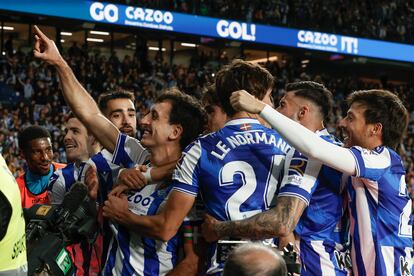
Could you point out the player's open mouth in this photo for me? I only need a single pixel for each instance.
(70, 147)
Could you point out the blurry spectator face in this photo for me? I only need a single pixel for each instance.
(121, 112)
(39, 155)
(216, 118)
(289, 106)
(155, 125)
(354, 127)
(77, 142)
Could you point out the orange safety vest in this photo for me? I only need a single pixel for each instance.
(29, 199)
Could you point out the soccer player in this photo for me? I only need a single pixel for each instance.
(216, 117)
(380, 208)
(123, 256)
(174, 121)
(310, 200)
(235, 169)
(79, 145)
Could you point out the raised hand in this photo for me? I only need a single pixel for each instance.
(45, 48)
(92, 182)
(241, 100)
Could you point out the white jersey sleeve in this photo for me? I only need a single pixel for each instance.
(309, 143)
(57, 187)
(129, 152)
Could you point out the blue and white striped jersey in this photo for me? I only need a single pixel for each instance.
(133, 254)
(130, 253)
(61, 181)
(322, 228)
(236, 170)
(380, 219)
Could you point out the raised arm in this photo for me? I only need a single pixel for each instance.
(78, 99)
(298, 136)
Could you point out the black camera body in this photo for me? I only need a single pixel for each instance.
(51, 228)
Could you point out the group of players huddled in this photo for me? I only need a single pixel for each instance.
(228, 168)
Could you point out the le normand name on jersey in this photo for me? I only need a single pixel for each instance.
(248, 137)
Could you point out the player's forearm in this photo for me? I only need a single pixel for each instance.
(150, 226)
(280, 221)
(262, 226)
(85, 107)
(78, 99)
(187, 267)
(309, 143)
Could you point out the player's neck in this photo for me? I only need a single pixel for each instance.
(242, 115)
(313, 126)
(372, 143)
(165, 155)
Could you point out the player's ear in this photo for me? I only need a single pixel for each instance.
(377, 129)
(176, 132)
(302, 111)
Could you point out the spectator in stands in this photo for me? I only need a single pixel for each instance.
(254, 259)
(36, 148)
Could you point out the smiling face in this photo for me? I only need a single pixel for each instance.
(39, 155)
(121, 112)
(155, 125)
(77, 142)
(355, 130)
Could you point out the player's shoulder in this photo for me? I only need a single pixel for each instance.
(325, 135)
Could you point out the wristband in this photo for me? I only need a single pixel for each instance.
(147, 175)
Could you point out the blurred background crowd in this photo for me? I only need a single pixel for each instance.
(33, 87)
(390, 20)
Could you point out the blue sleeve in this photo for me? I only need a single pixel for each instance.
(301, 177)
(128, 152)
(371, 164)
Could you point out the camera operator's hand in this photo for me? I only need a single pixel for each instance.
(208, 228)
(134, 177)
(116, 209)
(92, 182)
(45, 48)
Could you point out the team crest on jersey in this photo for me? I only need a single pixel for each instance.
(245, 127)
(297, 166)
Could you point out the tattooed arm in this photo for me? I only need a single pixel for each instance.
(276, 222)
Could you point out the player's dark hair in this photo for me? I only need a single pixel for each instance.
(210, 96)
(316, 93)
(185, 111)
(240, 75)
(386, 108)
(104, 98)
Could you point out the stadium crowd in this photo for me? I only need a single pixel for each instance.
(385, 20)
(40, 91)
(35, 94)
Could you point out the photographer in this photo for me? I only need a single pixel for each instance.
(12, 237)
